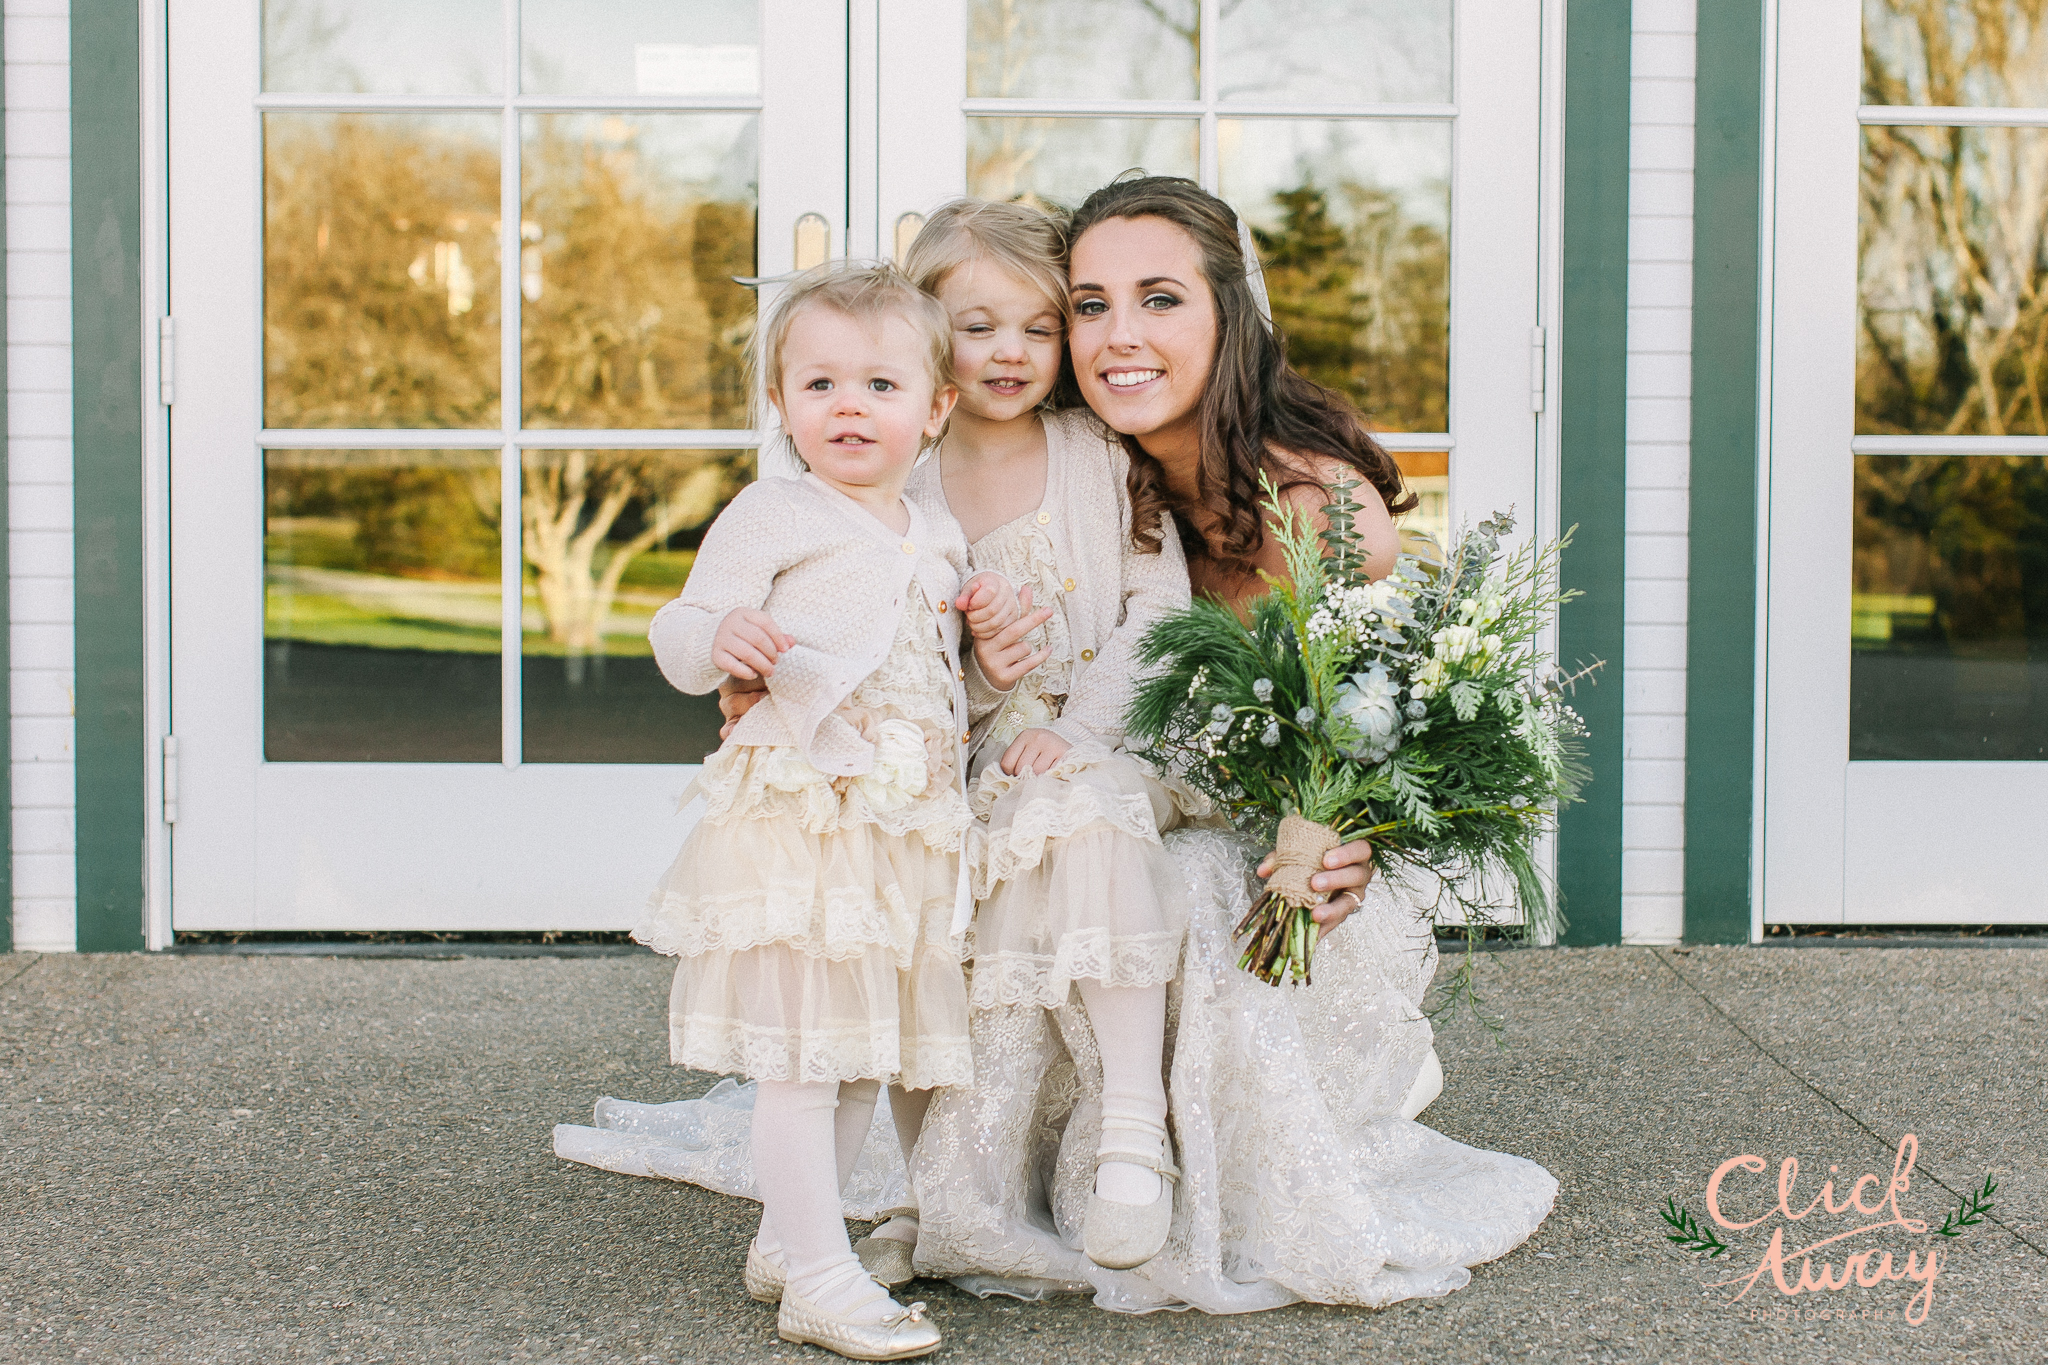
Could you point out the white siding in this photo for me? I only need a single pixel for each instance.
(1659, 460)
(39, 469)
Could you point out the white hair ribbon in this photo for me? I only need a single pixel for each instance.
(1254, 273)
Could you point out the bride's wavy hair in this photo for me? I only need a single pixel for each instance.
(1254, 402)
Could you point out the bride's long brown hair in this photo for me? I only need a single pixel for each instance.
(1255, 402)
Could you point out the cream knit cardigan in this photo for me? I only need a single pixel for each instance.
(1111, 593)
(835, 579)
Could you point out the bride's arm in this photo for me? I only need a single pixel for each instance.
(1348, 869)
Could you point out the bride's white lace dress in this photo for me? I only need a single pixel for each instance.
(1300, 1180)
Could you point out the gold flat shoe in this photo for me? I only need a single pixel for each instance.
(888, 1259)
(901, 1335)
(765, 1278)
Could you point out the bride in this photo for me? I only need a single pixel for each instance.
(1302, 1173)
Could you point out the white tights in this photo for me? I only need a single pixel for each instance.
(806, 1137)
(796, 1125)
(1130, 1033)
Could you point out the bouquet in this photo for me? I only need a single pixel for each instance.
(1411, 711)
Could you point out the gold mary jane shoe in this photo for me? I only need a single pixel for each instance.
(901, 1335)
(887, 1258)
(765, 1278)
(1124, 1236)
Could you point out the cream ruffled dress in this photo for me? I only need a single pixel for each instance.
(813, 914)
(1070, 879)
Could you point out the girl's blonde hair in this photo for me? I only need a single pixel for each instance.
(865, 291)
(1028, 242)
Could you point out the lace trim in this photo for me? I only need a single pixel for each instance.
(877, 1050)
(995, 856)
(1093, 955)
(843, 924)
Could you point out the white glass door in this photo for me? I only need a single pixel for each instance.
(1906, 741)
(460, 361)
(1388, 156)
(460, 380)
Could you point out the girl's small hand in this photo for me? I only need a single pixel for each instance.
(990, 603)
(1348, 871)
(1037, 750)
(1007, 656)
(748, 643)
(736, 697)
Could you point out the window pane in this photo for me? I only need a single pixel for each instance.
(634, 227)
(609, 537)
(640, 47)
(1336, 51)
(1986, 52)
(381, 623)
(1058, 162)
(1953, 331)
(394, 47)
(1353, 225)
(380, 270)
(1426, 474)
(1950, 609)
(1083, 49)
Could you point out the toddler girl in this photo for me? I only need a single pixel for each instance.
(1075, 892)
(818, 904)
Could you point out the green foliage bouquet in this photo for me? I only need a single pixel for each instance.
(1410, 711)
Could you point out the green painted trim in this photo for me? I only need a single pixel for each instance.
(6, 584)
(107, 472)
(1593, 459)
(1720, 673)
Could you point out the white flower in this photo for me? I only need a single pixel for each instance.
(900, 772)
(1263, 689)
(1484, 606)
(787, 770)
(1305, 717)
(1367, 705)
(1455, 644)
(1416, 710)
(1490, 645)
(1220, 713)
(1270, 736)
(1427, 679)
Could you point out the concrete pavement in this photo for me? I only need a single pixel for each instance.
(284, 1159)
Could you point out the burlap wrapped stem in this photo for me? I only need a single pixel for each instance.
(1281, 931)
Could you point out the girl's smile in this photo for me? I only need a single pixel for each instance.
(1006, 341)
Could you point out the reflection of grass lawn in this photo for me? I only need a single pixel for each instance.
(325, 620)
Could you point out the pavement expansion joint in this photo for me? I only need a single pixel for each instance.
(32, 964)
(1884, 1143)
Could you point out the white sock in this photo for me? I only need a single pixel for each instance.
(1130, 1033)
(850, 1122)
(907, 1108)
(796, 1171)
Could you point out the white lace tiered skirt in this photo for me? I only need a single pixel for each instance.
(813, 918)
(1300, 1180)
(1070, 879)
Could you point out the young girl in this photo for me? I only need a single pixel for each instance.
(1075, 895)
(817, 906)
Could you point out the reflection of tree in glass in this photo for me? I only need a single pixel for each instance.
(1969, 531)
(380, 297)
(589, 514)
(404, 519)
(1953, 226)
(1364, 307)
(638, 322)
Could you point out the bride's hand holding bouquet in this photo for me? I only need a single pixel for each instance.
(1406, 711)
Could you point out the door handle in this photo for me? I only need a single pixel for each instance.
(813, 241)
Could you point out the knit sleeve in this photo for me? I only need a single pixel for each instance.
(1154, 585)
(743, 551)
